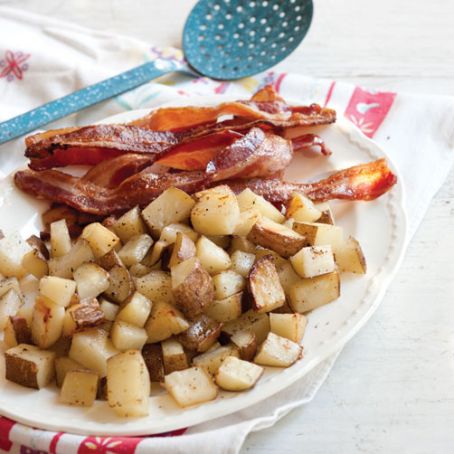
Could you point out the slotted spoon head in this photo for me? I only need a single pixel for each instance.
(232, 39)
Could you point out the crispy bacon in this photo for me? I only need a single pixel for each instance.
(362, 182)
(308, 141)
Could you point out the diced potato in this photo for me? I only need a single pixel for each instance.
(237, 375)
(109, 309)
(16, 332)
(57, 289)
(277, 237)
(223, 241)
(213, 258)
(121, 284)
(156, 286)
(129, 225)
(91, 279)
(190, 386)
(10, 304)
(250, 320)
(135, 249)
(213, 359)
(12, 249)
(47, 322)
(183, 249)
(139, 270)
(169, 233)
(248, 200)
(242, 262)
(152, 355)
(278, 351)
(308, 294)
(79, 388)
(290, 326)
(350, 258)
(135, 310)
(35, 263)
(165, 320)
(174, 356)
(192, 287)
(155, 253)
(64, 266)
(92, 348)
(264, 285)
(226, 309)
(302, 209)
(171, 207)
(131, 400)
(216, 211)
(212, 348)
(246, 221)
(29, 366)
(314, 261)
(201, 334)
(227, 284)
(109, 260)
(126, 336)
(241, 243)
(246, 342)
(38, 244)
(81, 316)
(63, 365)
(327, 216)
(287, 275)
(10, 283)
(100, 238)
(318, 234)
(60, 241)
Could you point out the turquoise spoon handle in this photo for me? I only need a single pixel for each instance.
(86, 97)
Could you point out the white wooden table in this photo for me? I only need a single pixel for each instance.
(392, 388)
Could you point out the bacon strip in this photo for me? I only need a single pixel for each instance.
(362, 182)
(307, 141)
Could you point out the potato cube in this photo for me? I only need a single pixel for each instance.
(250, 320)
(213, 258)
(216, 211)
(79, 388)
(308, 294)
(264, 285)
(35, 263)
(109, 309)
(91, 279)
(190, 386)
(201, 334)
(81, 316)
(60, 241)
(65, 266)
(169, 233)
(126, 336)
(287, 275)
(47, 322)
(135, 249)
(290, 326)
(10, 304)
(226, 309)
(139, 270)
(314, 261)
(227, 283)
(183, 249)
(172, 206)
(92, 348)
(128, 368)
(302, 209)
(242, 262)
(12, 250)
(318, 234)
(248, 200)
(237, 375)
(350, 258)
(174, 356)
(129, 224)
(155, 253)
(57, 289)
(152, 355)
(109, 260)
(327, 216)
(29, 366)
(212, 359)
(63, 365)
(246, 221)
(121, 284)
(156, 286)
(278, 351)
(17, 332)
(100, 238)
(136, 310)
(165, 320)
(192, 287)
(241, 243)
(246, 342)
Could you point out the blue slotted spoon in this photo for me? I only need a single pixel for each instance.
(222, 39)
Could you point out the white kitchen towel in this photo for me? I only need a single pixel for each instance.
(42, 59)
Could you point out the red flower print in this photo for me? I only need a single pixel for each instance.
(105, 445)
(13, 65)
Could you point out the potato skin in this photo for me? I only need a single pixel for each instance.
(152, 355)
(21, 330)
(201, 335)
(24, 373)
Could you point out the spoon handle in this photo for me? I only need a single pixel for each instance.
(86, 97)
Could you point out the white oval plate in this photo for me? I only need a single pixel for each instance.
(380, 227)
